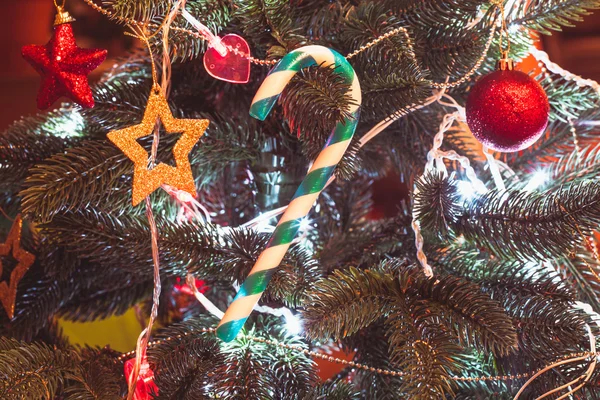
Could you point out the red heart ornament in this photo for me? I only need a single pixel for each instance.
(232, 67)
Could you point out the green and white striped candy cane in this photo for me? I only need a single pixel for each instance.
(310, 188)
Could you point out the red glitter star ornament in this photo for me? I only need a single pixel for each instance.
(64, 67)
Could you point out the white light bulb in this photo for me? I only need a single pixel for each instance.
(293, 324)
(538, 179)
(305, 224)
(466, 190)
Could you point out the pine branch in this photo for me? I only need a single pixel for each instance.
(368, 21)
(257, 370)
(422, 348)
(321, 93)
(392, 90)
(580, 272)
(567, 99)
(295, 275)
(144, 10)
(444, 12)
(120, 100)
(227, 140)
(546, 328)
(100, 298)
(577, 167)
(280, 37)
(471, 315)
(372, 349)
(33, 370)
(347, 235)
(556, 142)
(436, 204)
(123, 241)
(75, 179)
(477, 364)
(545, 16)
(190, 371)
(531, 225)
(537, 298)
(348, 301)
(404, 145)
(509, 277)
(31, 140)
(450, 50)
(97, 377)
(321, 21)
(337, 390)
(38, 299)
(291, 376)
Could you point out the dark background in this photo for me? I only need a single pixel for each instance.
(30, 22)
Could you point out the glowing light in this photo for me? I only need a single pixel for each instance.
(293, 324)
(305, 224)
(69, 125)
(466, 190)
(184, 196)
(538, 179)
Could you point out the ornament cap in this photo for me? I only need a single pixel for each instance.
(505, 63)
(62, 16)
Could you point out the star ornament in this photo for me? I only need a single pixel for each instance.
(12, 247)
(146, 181)
(64, 67)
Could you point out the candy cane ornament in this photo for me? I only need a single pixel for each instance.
(310, 188)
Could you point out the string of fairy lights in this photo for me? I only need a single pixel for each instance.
(436, 154)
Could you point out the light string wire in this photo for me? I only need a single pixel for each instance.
(542, 56)
(435, 162)
(144, 337)
(435, 156)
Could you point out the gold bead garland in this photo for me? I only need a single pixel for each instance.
(363, 367)
(361, 49)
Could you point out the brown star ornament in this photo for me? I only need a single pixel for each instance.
(12, 246)
(146, 181)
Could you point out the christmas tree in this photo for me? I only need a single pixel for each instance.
(481, 281)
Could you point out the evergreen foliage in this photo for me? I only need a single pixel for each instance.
(516, 282)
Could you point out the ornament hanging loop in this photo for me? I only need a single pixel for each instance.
(505, 63)
(62, 16)
(144, 38)
(503, 30)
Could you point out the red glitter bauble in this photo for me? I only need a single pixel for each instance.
(64, 68)
(507, 110)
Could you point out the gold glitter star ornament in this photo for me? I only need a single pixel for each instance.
(12, 247)
(145, 180)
